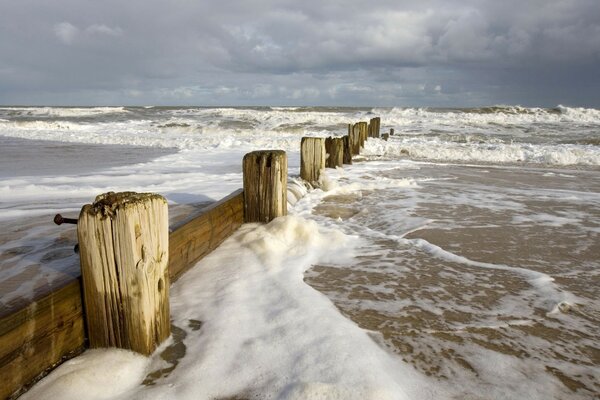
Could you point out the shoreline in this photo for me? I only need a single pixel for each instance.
(32, 157)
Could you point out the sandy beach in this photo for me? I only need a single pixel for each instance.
(467, 286)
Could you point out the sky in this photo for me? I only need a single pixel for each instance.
(446, 53)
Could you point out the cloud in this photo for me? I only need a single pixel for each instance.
(69, 33)
(99, 29)
(352, 52)
(66, 32)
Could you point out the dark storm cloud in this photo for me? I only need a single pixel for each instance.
(290, 52)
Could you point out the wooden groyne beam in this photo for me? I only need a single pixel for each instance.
(53, 327)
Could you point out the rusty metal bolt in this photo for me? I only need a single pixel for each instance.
(59, 219)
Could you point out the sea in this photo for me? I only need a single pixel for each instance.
(458, 259)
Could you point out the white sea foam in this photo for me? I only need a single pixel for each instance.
(458, 135)
(436, 150)
(95, 375)
(265, 334)
(63, 111)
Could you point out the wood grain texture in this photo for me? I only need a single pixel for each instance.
(39, 336)
(197, 236)
(363, 129)
(347, 150)
(51, 328)
(124, 253)
(374, 127)
(335, 152)
(355, 139)
(265, 185)
(312, 159)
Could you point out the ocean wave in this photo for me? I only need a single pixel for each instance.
(501, 115)
(58, 112)
(500, 153)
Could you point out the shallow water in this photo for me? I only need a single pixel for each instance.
(471, 250)
(482, 277)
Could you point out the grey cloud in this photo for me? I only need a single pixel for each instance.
(334, 52)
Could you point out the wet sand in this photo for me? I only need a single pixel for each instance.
(22, 157)
(463, 319)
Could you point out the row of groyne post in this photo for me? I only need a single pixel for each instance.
(129, 256)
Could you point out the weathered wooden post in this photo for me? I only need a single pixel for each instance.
(335, 150)
(265, 185)
(124, 251)
(363, 128)
(375, 124)
(385, 136)
(391, 131)
(355, 139)
(347, 149)
(312, 158)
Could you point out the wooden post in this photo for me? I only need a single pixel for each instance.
(355, 139)
(124, 251)
(391, 131)
(265, 185)
(385, 136)
(335, 151)
(347, 150)
(375, 124)
(364, 129)
(312, 158)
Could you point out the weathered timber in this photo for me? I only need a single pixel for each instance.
(265, 185)
(50, 329)
(312, 158)
(363, 131)
(385, 136)
(335, 151)
(347, 150)
(39, 336)
(199, 235)
(124, 251)
(391, 131)
(355, 139)
(374, 127)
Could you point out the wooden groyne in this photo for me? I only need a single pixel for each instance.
(108, 307)
(52, 328)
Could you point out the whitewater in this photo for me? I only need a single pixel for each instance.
(456, 260)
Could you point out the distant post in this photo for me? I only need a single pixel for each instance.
(374, 125)
(335, 150)
(312, 158)
(363, 129)
(355, 139)
(124, 251)
(347, 150)
(391, 131)
(265, 185)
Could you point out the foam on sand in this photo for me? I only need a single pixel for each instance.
(265, 333)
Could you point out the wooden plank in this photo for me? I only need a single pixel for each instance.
(39, 336)
(198, 236)
(51, 329)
